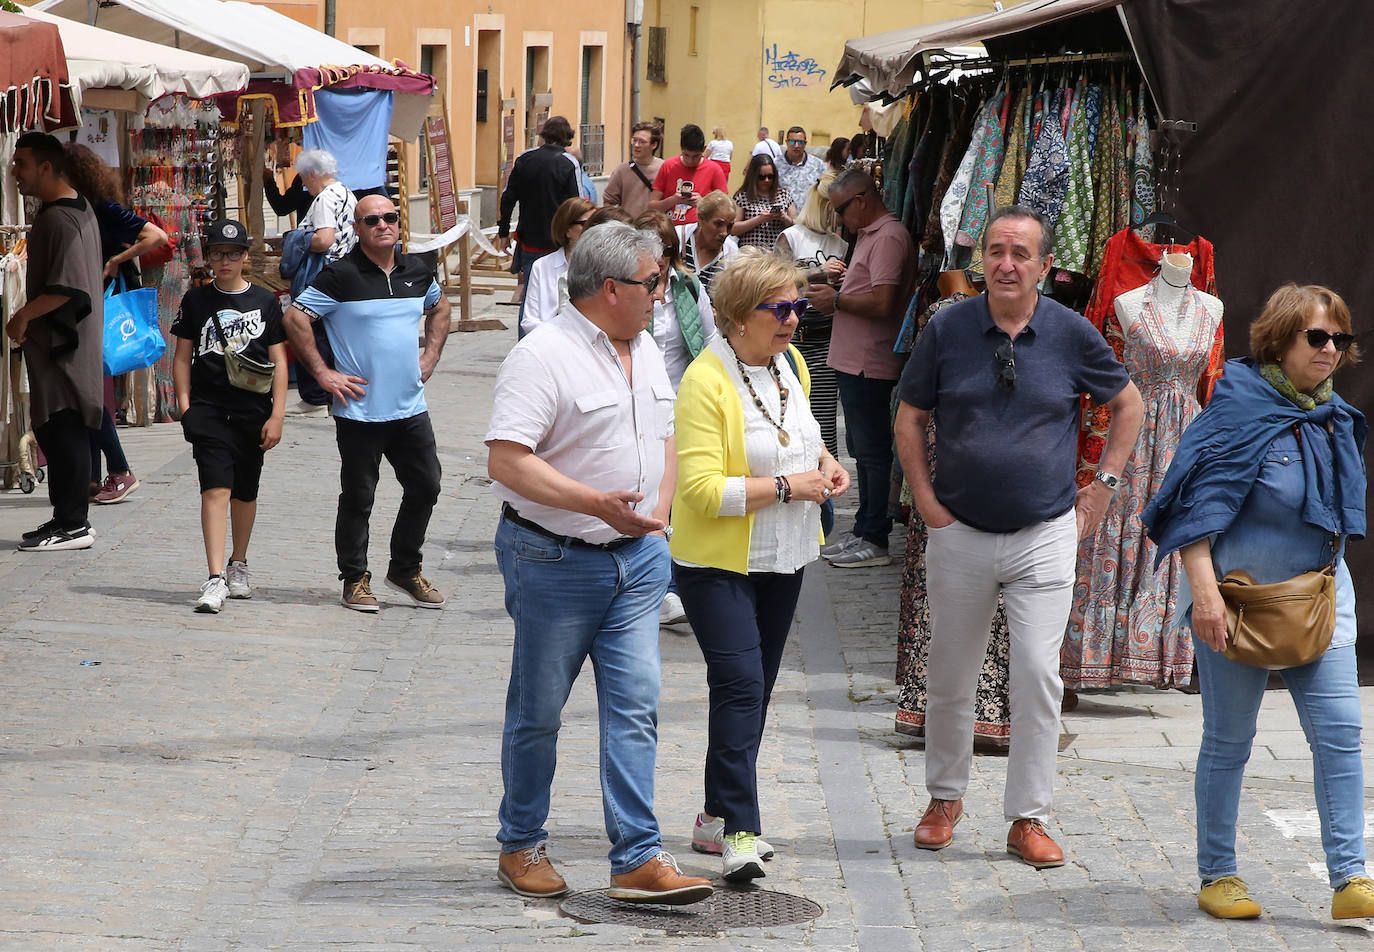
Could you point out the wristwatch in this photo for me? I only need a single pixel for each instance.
(1108, 480)
(668, 533)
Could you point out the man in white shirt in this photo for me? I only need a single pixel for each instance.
(582, 456)
(766, 145)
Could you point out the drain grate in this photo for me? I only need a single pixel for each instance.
(726, 909)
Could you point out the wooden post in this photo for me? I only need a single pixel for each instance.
(251, 166)
(465, 264)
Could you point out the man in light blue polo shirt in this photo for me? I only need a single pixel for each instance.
(371, 302)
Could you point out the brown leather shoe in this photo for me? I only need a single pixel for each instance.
(1029, 840)
(529, 873)
(421, 592)
(659, 881)
(358, 595)
(936, 829)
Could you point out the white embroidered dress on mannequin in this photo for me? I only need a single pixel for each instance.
(1123, 627)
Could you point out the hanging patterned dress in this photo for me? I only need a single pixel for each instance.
(985, 170)
(1047, 171)
(992, 708)
(1142, 168)
(952, 208)
(1073, 236)
(933, 236)
(1127, 263)
(1014, 165)
(1123, 629)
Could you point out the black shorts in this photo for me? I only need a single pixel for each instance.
(227, 450)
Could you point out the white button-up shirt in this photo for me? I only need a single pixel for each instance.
(562, 392)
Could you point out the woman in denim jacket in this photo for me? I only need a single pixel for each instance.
(1267, 479)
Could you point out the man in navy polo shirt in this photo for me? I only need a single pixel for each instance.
(1001, 374)
(371, 301)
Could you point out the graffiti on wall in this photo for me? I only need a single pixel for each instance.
(790, 70)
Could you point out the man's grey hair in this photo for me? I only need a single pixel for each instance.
(317, 162)
(611, 250)
(854, 180)
(1021, 211)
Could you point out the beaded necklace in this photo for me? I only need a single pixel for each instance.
(783, 437)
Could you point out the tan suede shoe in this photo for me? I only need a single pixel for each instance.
(659, 881)
(529, 873)
(1029, 840)
(936, 829)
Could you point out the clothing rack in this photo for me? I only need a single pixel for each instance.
(938, 65)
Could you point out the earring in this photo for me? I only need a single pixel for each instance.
(741, 330)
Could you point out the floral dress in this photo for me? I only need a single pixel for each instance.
(1123, 627)
(992, 707)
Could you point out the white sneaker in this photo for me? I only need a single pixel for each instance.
(301, 408)
(842, 541)
(708, 836)
(237, 575)
(740, 860)
(212, 595)
(671, 611)
(862, 556)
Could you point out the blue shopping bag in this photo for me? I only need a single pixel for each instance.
(133, 339)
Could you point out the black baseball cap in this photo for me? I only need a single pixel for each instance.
(226, 231)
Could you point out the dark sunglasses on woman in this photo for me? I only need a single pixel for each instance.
(783, 309)
(1317, 338)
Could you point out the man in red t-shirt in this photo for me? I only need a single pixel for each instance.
(683, 180)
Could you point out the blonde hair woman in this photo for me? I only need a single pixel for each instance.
(707, 243)
(720, 149)
(752, 474)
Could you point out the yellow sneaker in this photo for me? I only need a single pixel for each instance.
(1354, 900)
(1228, 898)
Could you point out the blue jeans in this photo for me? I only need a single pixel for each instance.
(569, 603)
(868, 437)
(1326, 695)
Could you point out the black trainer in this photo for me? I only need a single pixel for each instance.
(59, 540)
(42, 530)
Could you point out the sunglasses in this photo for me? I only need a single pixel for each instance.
(372, 221)
(1317, 338)
(782, 310)
(583, 221)
(237, 255)
(763, 176)
(839, 209)
(649, 284)
(1006, 366)
(796, 142)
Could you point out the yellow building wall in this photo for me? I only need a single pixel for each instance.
(496, 35)
(768, 62)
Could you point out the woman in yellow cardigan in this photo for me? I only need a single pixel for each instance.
(752, 473)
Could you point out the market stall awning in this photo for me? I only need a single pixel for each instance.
(100, 58)
(889, 62)
(33, 76)
(267, 42)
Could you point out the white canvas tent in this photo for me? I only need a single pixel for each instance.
(265, 41)
(99, 59)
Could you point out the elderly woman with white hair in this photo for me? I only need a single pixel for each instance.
(331, 212)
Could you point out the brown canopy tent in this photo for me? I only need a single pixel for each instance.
(1271, 175)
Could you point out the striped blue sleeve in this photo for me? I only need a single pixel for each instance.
(433, 295)
(315, 303)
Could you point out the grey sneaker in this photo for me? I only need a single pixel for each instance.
(842, 541)
(862, 556)
(212, 595)
(237, 577)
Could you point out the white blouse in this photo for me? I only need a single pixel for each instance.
(786, 535)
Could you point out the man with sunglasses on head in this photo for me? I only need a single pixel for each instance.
(371, 301)
(583, 459)
(1001, 375)
(798, 169)
(868, 308)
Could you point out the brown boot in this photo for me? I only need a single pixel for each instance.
(659, 881)
(936, 829)
(529, 873)
(1029, 840)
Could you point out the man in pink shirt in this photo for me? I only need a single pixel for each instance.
(869, 308)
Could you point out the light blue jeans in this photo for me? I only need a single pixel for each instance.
(570, 603)
(1326, 695)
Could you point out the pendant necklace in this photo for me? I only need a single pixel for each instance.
(783, 438)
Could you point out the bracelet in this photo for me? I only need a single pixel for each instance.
(779, 489)
(786, 489)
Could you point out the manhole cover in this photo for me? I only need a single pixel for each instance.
(726, 909)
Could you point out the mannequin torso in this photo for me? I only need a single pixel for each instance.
(1170, 290)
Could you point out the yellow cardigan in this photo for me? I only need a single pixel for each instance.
(709, 423)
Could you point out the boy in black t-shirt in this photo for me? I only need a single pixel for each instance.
(229, 428)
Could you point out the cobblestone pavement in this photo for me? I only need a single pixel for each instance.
(290, 775)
